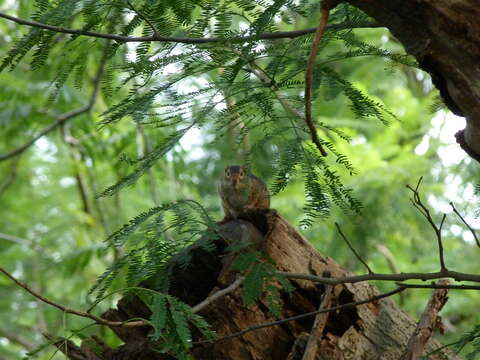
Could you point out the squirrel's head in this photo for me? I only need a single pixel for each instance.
(235, 175)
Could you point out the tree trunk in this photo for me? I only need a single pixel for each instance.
(377, 330)
(444, 37)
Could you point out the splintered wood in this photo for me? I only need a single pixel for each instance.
(427, 324)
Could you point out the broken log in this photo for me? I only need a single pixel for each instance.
(376, 330)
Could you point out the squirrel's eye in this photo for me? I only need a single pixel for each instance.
(228, 173)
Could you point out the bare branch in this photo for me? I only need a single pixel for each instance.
(428, 322)
(67, 310)
(353, 249)
(439, 286)
(466, 224)
(325, 12)
(16, 239)
(417, 202)
(270, 83)
(11, 176)
(318, 324)
(63, 117)
(218, 294)
(128, 323)
(458, 276)
(392, 264)
(17, 339)
(303, 316)
(184, 40)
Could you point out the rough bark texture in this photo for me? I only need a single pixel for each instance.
(429, 321)
(444, 36)
(319, 324)
(377, 330)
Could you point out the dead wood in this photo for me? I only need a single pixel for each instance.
(378, 330)
(429, 321)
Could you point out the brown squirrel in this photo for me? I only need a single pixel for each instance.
(240, 191)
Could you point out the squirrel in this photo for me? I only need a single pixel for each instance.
(241, 191)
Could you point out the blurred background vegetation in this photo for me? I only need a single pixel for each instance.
(53, 227)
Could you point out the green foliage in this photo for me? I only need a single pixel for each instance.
(145, 163)
(155, 246)
(261, 279)
(470, 338)
(255, 103)
(170, 320)
(40, 347)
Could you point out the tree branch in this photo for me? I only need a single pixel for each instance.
(76, 157)
(128, 323)
(466, 224)
(417, 202)
(302, 316)
(427, 324)
(63, 117)
(325, 12)
(353, 249)
(319, 324)
(17, 339)
(16, 239)
(184, 40)
(270, 83)
(67, 310)
(10, 178)
(458, 276)
(385, 251)
(439, 286)
(218, 294)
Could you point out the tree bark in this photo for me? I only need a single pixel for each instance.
(429, 321)
(444, 37)
(377, 330)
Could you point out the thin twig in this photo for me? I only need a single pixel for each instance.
(16, 239)
(303, 316)
(185, 40)
(127, 323)
(15, 338)
(10, 178)
(427, 324)
(385, 251)
(353, 249)
(61, 119)
(218, 294)
(466, 224)
(143, 17)
(417, 202)
(318, 324)
(270, 83)
(437, 286)
(309, 76)
(67, 310)
(458, 276)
